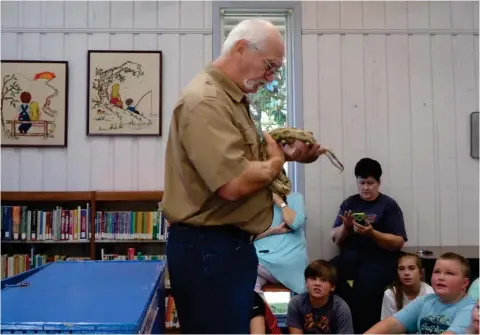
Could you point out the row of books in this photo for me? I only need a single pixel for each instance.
(13, 265)
(131, 256)
(171, 315)
(130, 225)
(25, 224)
(22, 223)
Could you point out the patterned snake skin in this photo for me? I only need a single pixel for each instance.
(282, 185)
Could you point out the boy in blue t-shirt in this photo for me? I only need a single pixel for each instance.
(446, 311)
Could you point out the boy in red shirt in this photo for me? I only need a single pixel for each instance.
(262, 320)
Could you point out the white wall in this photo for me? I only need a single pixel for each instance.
(403, 99)
(67, 31)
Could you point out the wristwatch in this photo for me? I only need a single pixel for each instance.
(283, 205)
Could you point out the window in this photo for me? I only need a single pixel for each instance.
(268, 107)
(272, 106)
(277, 104)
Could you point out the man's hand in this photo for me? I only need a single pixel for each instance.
(274, 151)
(282, 228)
(300, 152)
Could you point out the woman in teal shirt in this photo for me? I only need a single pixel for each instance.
(282, 249)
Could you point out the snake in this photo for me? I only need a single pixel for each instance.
(282, 185)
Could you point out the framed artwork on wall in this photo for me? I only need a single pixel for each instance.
(474, 138)
(34, 108)
(124, 93)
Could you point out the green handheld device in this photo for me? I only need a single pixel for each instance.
(360, 218)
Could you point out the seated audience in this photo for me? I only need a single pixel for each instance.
(473, 290)
(407, 285)
(282, 249)
(369, 249)
(262, 320)
(447, 310)
(319, 311)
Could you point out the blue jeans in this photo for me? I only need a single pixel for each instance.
(212, 276)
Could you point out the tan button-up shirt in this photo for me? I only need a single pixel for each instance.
(211, 140)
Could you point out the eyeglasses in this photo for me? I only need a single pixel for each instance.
(269, 68)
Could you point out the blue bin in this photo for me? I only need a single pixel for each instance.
(91, 297)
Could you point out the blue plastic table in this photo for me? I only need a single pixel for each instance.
(109, 297)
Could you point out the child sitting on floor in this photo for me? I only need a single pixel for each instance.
(407, 286)
(319, 311)
(448, 310)
(262, 320)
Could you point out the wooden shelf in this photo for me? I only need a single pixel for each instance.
(46, 241)
(274, 288)
(47, 196)
(129, 196)
(83, 196)
(130, 241)
(92, 197)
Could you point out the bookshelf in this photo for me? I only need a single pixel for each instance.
(118, 238)
(95, 200)
(128, 196)
(43, 211)
(129, 220)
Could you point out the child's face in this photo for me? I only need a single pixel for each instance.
(408, 271)
(448, 280)
(475, 320)
(319, 288)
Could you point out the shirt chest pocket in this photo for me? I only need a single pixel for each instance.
(251, 141)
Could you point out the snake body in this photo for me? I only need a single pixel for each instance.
(282, 185)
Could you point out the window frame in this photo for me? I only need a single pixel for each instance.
(296, 171)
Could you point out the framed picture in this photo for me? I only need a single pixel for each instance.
(34, 103)
(124, 93)
(474, 124)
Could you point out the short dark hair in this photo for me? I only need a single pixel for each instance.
(322, 269)
(128, 101)
(464, 264)
(367, 167)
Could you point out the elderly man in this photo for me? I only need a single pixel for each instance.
(216, 188)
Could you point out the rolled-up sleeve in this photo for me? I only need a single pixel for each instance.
(395, 223)
(213, 143)
(297, 204)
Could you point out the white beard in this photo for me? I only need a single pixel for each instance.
(250, 84)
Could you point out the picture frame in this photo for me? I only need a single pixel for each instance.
(474, 138)
(124, 93)
(34, 108)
